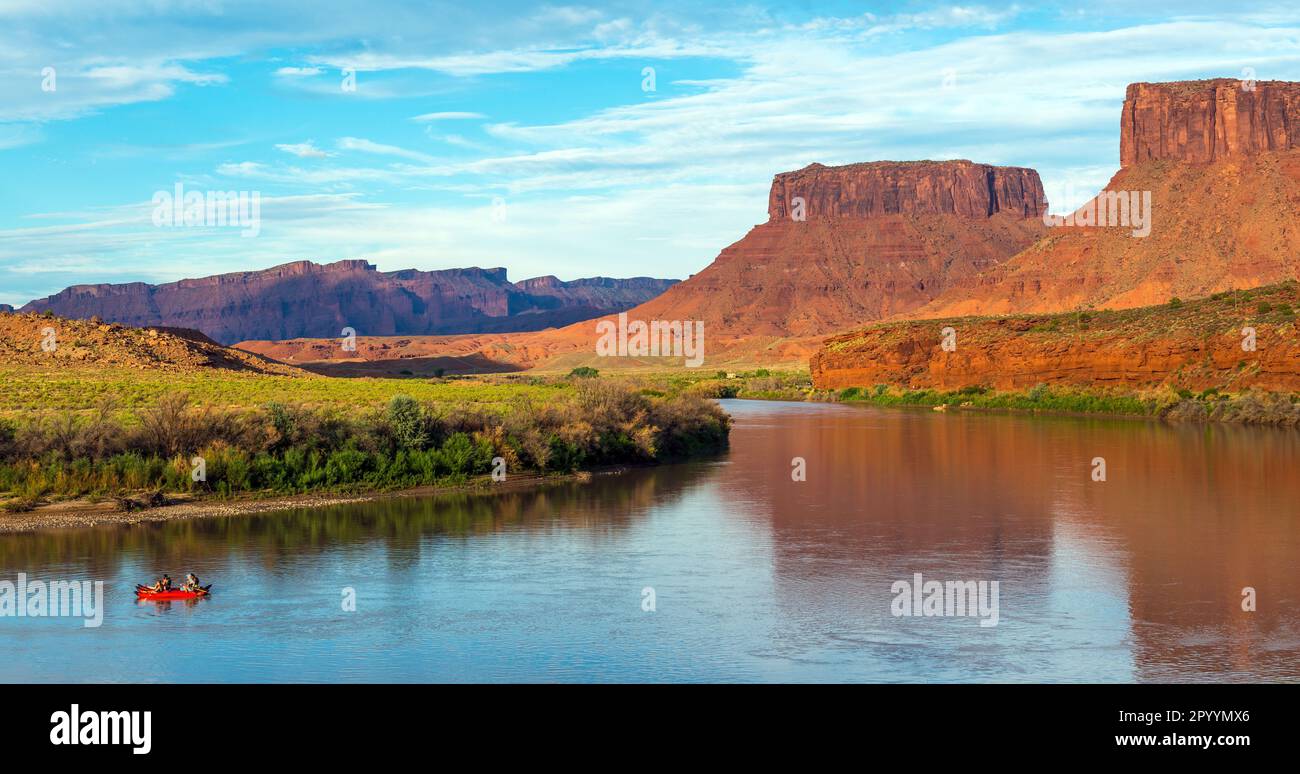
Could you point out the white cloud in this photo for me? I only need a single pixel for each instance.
(367, 146)
(448, 115)
(299, 72)
(305, 150)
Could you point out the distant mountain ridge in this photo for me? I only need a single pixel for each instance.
(307, 299)
(841, 245)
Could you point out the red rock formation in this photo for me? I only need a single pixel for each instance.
(83, 344)
(907, 188)
(1223, 169)
(309, 299)
(1203, 121)
(879, 239)
(1195, 345)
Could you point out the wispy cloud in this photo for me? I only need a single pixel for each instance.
(305, 150)
(592, 169)
(449, 115)
(367, 146)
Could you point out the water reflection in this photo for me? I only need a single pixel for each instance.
(755, 576)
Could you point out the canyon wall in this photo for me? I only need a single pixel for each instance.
(309, 299)
(1195, 345)
(1222, 168)
(1204, 121)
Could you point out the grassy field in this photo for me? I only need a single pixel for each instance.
(108, 433)
(29, 390)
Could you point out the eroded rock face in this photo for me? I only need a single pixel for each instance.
(961, 188)
(306, 299)
(1203, 121)
(1196, 346)
(898, 234)
(1221, 165)
(878, 239)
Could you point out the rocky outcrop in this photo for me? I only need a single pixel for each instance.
(57, 344)
(1196, 345)
(960, 188)
(303, 298)
(1221, 167)
(1204, 121)
(877, 239)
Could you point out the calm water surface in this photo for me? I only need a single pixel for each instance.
(756, 577)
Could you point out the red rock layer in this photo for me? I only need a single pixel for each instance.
(309, 299)
(1203, 121)
(1197, 346)
(960, 188)
(1222, 166)
(879, 239)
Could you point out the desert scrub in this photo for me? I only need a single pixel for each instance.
(293, 448)
(1038, 398)
(1167, 403)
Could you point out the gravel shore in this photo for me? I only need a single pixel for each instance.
(83, 513)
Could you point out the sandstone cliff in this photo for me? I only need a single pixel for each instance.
(877, 239)
(1195, 345)
(872, 189)
(309, 299)
(1203, 121)
(1222, 165)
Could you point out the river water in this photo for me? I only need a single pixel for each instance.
(730, 570)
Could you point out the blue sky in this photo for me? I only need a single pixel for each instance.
(521, 135)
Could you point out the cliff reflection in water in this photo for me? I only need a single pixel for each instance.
(1142, 573)
(756, 576)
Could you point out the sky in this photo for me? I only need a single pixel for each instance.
(613, 139)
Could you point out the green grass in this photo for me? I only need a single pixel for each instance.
(28, 390)
(1249, 408)
(63, 437)
(1040, 398)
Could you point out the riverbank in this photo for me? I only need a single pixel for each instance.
(1167, 403)
(219, 448)
(73, 514)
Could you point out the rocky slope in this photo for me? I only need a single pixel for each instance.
(309, 299)
(1195, 345)
(31, 340)
(867, 241)
(877, 239)
(1222, 165)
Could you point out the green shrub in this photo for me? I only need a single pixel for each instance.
(411, 426)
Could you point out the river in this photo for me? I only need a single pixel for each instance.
(728, 569)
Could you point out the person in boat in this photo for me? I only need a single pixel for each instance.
(191, 583)
(163, 584)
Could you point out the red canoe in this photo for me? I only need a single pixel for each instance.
(144, 592)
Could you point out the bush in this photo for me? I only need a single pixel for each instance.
(410, 424)
(583, 372)
(346, 466)
(293, 448)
